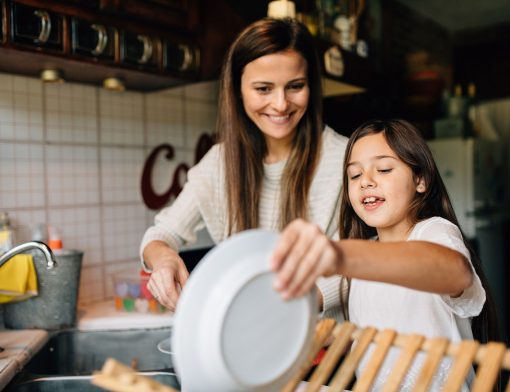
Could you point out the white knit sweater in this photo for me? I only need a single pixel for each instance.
(202, 203)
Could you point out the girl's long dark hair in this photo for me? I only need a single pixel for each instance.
(244, 144)
(407, 142)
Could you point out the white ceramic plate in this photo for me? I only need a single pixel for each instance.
(232, 331)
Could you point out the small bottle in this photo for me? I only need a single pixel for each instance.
(54, 239)
(456, 105)
(6, 233)
(472, 110)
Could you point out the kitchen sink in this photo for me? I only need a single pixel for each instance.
(81, 383)
(67, 361)
(73, 352)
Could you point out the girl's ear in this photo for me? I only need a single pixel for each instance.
(420, 185)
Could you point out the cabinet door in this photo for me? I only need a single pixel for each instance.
(141, 50)
(2, 12)
(95, 4)
(181, 57)
(173, 14)
(93, 39)
(36, 27)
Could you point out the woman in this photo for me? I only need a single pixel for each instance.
(275, 161)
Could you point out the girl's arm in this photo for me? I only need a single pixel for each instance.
(304, 253)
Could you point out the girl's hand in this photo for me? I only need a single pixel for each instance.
(302, 254)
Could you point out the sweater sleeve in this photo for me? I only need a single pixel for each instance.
(330, 290)
(327, 191)
(178, 223)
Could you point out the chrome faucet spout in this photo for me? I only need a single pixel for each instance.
(50, 257)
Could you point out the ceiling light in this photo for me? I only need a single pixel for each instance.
(51, 76)
(114, 84)
(281, 9)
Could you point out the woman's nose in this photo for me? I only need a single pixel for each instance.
(280, 102)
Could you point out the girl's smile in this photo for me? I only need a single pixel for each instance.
(381, 187)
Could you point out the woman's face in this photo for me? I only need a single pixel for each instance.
(275, 95)
(381, 187)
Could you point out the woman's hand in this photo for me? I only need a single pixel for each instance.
(302, 254)
(169, 273)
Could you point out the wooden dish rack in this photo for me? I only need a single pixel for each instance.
(340, 363)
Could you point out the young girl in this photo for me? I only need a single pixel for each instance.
(410, 267)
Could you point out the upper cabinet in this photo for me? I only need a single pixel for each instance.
(176, 14)
(2, 34)
(36, 27)
(146, 44)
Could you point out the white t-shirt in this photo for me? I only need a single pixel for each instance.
(405, 310)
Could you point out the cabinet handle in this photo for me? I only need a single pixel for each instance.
(147, 49)
(44, 34)
(187, 62)
(102, 39)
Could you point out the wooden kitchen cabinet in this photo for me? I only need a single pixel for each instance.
(36, 27)
(142, 51)
(2, 24)
(92, 40)
(177, 14)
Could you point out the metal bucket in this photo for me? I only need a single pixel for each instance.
(55, 305)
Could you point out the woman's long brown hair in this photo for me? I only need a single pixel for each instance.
(406, 141)
(244, 144)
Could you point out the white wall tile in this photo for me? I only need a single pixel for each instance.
(165, 120)
(71, 156)
(123, 230)
(79, 228)
(22, 222)
(202, 90)
(21, 175)
(91, 285)
(72, 175)
(121, 119)
(21, 109)
(200, 117)
(121, 170)
(71, 113)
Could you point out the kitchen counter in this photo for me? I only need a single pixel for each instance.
(103, 315)
(20, 346)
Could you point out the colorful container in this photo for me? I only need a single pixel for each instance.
(132, 294)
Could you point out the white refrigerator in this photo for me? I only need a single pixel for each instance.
(473, 171)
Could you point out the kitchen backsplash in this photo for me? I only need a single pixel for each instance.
(71, 156)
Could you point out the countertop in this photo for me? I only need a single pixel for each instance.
(21, 345)
(102, 315)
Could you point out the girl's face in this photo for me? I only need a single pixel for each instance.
(381, 187)
(275, 94)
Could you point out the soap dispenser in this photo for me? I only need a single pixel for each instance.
(6, 233)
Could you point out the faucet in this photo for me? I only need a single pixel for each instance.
(50, 257)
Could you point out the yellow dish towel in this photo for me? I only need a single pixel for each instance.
(18, 279)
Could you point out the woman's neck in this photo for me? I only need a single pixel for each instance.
(277, 150)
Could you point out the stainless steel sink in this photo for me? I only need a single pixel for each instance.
(80, 383)
(69, 357)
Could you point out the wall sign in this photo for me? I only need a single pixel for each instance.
(156, 201)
